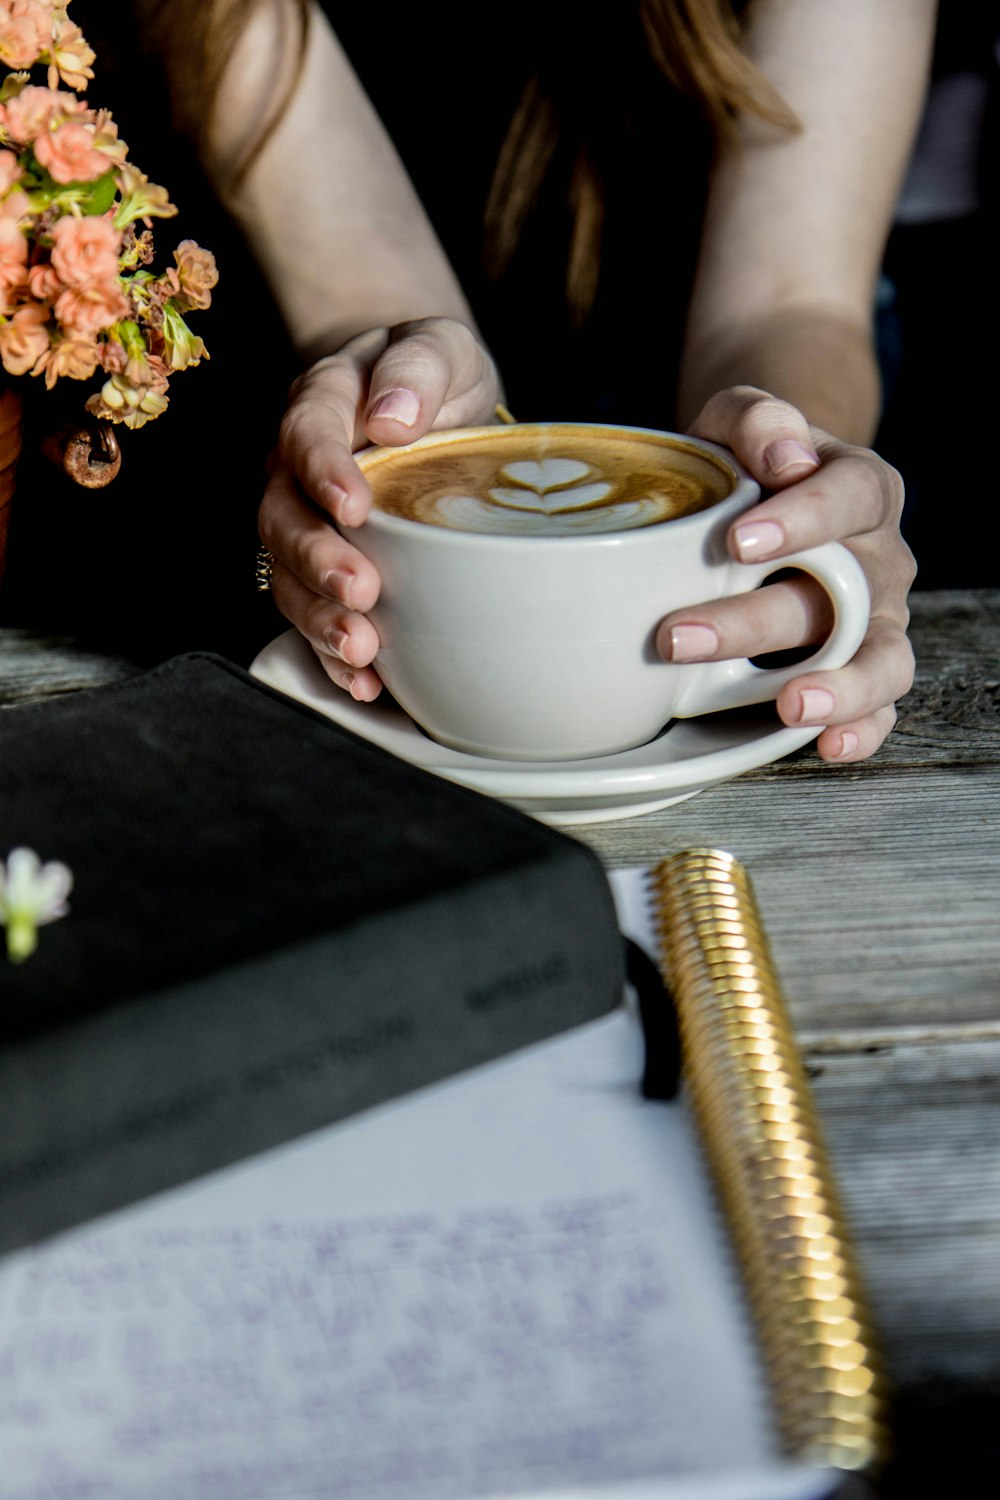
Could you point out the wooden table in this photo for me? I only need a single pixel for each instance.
(879, 887)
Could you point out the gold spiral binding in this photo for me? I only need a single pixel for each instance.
(753, 1109)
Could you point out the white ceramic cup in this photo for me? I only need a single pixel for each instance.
(539, 647)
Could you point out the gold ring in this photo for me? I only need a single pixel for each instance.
(265, 567)
(503, 415)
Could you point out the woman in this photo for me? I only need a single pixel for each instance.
(764, 312)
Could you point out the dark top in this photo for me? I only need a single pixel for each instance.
(446, 92)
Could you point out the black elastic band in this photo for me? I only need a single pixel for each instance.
(661, 1074)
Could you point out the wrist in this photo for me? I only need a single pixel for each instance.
(822, 363)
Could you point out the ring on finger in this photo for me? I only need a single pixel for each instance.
(265, 567)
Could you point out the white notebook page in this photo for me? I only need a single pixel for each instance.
(507, 1284)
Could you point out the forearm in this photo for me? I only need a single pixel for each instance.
(795, 225)
(822, 363)
(326, 207)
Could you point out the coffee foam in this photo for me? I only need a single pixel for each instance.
(562, 482)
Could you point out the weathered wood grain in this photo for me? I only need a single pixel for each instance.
(881, 897)
(914, 1135)
(34, 666)
(952, 710)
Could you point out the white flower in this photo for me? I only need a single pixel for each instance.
(31, 894)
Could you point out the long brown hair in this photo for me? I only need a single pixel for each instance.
(694, 44)
(196, 39)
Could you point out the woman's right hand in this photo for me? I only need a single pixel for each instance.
(387, 386)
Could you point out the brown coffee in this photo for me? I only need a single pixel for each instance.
(556, 480)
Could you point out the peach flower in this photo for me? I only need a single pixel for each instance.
(43, 282)
(120, 401)
(17, 42)
(180, 346)
(85, 251)
(24, 339)
(70, 57)
(38, 13)
(146, 372)
(76, 358)
(26, 28)
(36, 110)
(86, 310)
(68, 154)
(140, 198)
(197, 274)
(13, 255)
(10, 170)
(106, 137)
(15, 207)
(72, 297)
(113, 356)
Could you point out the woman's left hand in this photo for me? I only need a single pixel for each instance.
(820, 490)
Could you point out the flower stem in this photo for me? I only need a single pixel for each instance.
(22, 938)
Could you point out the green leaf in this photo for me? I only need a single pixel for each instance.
(101, 195)
(12, 85)
(44, 192)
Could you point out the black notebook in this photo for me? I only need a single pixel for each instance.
(273, 925)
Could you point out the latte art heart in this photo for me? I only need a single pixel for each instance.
(549, 502)
(550, 497)
(549, 474)
(468, 513)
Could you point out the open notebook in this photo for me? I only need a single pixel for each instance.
(516, 1282)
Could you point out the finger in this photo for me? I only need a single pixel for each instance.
(880, 673)
(433, 372)
(769, 437)
(795, 612)
(344, 641)
(851, 742)
(322, 427)
(312, 550)
(854, 494)
(364, 685)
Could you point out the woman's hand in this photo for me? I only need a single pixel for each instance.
(386, 386)
(822, 490)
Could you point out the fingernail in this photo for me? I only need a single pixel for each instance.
(338, 502)
(339, 583)
(399, 405)
(352, 511)
(692, 642)
(816, 706)
(787, 454)
(759, 539)
(848, 743)
(335, 641)
(347, 682)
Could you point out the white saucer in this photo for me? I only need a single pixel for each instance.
(688, 756)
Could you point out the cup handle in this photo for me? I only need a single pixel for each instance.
(738, 683)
